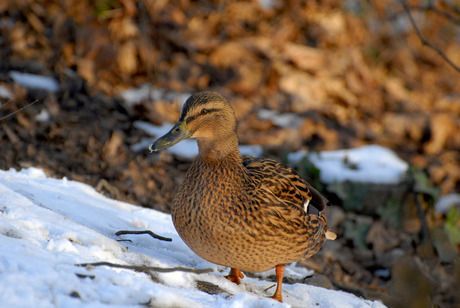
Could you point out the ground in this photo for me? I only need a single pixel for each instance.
(352, 74)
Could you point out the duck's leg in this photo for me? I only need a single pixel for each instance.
(279, 282)
(235, 276)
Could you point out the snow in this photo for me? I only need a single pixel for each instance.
(284, 120)
(267, 4)
(48, 226)
(43, 116)
(5, 93)
(366, 164)
(145, 92)
(35, 81)
(445, 202)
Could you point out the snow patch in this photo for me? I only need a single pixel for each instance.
(48, 226)
(146, 92)
(284, 120)
(367, 164)
(43, 116)
(35, 81)
(5, 93)
(444, 203)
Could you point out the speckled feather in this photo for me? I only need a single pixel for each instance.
(243, 212)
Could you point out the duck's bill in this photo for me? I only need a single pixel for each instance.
(178, 133)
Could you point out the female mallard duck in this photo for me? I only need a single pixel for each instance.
(250, 214)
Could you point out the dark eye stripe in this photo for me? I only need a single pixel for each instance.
(193, 117)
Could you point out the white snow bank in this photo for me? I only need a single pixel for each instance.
(35, 81)
(49, 225)
(367, 164)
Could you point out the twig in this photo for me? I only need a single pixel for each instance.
(268, 288)
(432, 8)
(14, 112)
(6, 104)
(144, 268)
(154, 235)
(421, 216)
(424, 40)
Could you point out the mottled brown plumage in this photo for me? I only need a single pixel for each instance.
(250, 214)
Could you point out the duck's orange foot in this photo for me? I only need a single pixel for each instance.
(235, 276)
(279, 282)
(277, 297)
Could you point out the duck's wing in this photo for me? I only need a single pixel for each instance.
(285, 184)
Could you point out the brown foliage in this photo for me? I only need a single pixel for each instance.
(355, 72)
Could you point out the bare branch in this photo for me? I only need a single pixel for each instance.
(6, 104)
(430, 7)
(424, 40)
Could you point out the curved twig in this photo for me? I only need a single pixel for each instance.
(424, 40)
(431, 8)
(16, 111)
(152, 234)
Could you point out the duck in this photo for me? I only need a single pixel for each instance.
(250, 214)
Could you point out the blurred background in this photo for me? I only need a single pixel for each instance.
(76, 76)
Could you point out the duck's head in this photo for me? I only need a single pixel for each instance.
(206, 116)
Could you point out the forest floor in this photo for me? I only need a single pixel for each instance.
(352, 74)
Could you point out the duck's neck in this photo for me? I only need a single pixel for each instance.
(216, 151)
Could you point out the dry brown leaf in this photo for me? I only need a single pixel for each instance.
(311, 129)
(127, 58)
(307, 92)
(402, 125)
(238, 16)
(443, 126)
(304, 57)
(4, 6)
(160, 111)
(130, 7)
(123, 28)
(382, 237)
(113, 148)
(229, 54)
(336, 87)
(242, 107)
(333, 23)
(36, 23)
(86, 68)
(396, 89)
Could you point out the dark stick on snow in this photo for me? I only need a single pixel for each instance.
(144, 268)
(154, 235)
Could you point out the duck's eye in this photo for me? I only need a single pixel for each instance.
(204, 111)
